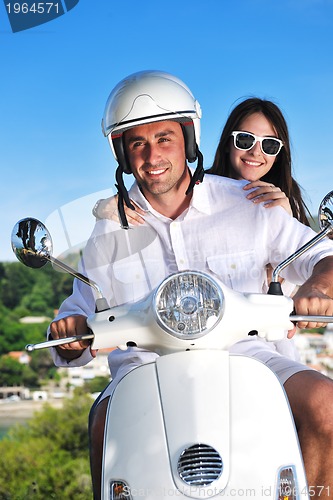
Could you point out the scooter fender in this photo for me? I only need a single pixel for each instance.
(200, 424)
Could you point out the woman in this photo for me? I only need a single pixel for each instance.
(242, 156)
(235, 151)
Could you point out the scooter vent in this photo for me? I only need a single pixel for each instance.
(200, 465)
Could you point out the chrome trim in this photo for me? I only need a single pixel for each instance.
(203, 328)
(200, 465)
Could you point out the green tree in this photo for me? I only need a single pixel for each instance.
(42, 364)
(11, 371)
(48, 457)
(38, 290)
(15, 284)
(14, 335)
(40, 299)
(97, 384)
(2, 271)
(29, 377)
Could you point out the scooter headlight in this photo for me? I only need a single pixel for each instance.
(188, 304)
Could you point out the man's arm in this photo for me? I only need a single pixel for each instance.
(315, 296)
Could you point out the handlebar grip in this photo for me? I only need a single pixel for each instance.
(315, 319)
(57, 342)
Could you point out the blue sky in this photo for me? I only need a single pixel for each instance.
(55, 79)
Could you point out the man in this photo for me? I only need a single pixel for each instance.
(152, 123)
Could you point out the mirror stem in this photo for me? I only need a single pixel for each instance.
(300, 251)
(77, 275)
(100, 303)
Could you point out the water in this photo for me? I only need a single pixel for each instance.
(3, 431)
(7, 422)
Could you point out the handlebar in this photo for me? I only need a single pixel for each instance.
(313, 319)
(55, 343)
(90, 336)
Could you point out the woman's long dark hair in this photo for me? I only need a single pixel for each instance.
(280, 174)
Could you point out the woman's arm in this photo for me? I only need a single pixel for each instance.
(268, 194)
(108, 209)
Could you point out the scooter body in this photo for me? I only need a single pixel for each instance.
(200, 424)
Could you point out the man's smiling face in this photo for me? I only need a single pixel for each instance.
(156, 153)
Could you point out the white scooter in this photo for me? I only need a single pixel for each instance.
(198, 422)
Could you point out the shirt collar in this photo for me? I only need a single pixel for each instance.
(200, 199)
(136, 195)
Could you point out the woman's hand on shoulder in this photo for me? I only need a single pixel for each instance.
(268, 194)
(108, 209)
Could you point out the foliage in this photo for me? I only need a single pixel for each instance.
(320, 331)
(28, 292)
(39, 291)
(12, 373)
(48, 457)
(42, 364)
(97, 384)
(14, 335)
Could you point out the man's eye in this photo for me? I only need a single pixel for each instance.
(163, 139)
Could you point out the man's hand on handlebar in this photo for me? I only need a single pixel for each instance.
(311, 302)
(314, 297)
(71, 326)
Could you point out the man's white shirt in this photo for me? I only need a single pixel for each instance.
(221, 233)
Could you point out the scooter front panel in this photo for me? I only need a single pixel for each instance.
(195, 417)
(135, 448)
(183, 399)
(263, 435)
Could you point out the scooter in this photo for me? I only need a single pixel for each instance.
(198, 422)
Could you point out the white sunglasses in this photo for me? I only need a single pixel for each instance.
(270, 146)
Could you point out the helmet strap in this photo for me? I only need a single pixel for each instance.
(189, 138)
(198, 174)
(123, 198)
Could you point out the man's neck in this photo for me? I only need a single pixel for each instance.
(172, 203)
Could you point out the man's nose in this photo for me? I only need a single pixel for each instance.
(152, 154)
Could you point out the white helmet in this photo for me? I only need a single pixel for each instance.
(150, 96)
(146, 97)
